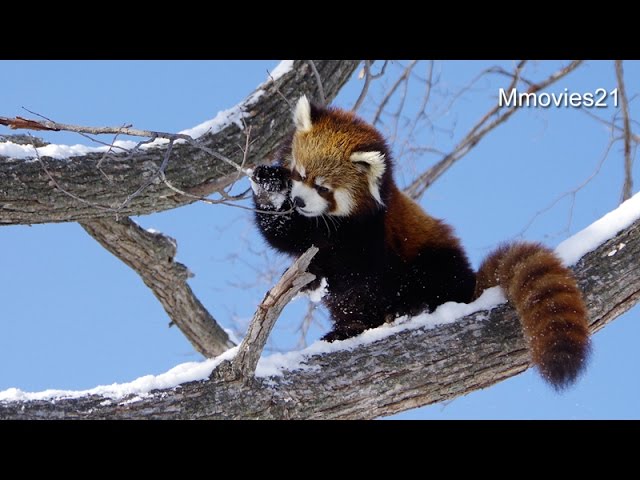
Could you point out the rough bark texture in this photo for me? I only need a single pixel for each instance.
(292, 281)
(404, 371)
(27, 195)
(151, 255)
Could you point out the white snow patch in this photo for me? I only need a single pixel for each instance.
(277, 364)
(283, 67)
(316, 295)
(185, 372)
(152, 230)
(616, 249)
(223, 119)
(606, 227)
(60, 152)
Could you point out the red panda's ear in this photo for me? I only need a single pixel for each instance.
(302, 114)
(374, 166)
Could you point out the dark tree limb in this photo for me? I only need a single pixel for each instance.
(27, 195)
(403, 371)
(151, 255)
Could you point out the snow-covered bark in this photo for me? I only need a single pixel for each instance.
(426, 360)
(28, 196)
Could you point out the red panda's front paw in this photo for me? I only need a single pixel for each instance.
(271, 178)
(270, 184)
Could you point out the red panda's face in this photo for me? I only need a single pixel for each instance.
(331, 172)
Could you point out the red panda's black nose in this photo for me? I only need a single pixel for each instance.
(299, 202)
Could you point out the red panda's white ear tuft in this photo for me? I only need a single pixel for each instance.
(302, 115)
(375, 169)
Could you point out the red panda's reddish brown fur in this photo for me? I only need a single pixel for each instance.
(409, 229)
(549, 304)
(383, 256)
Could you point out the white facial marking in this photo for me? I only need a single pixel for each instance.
(344, 202)
(375, 160)
(302, 115)
(314, 204)
(321, 181)
(301, 170)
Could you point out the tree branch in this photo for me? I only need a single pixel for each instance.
(399, 372)
(292, 281)
(28, 196)
(151, 255)
(480, 129)
(321, 95)
(627, 187)
(401, 79)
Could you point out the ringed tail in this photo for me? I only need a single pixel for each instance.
(550, 306)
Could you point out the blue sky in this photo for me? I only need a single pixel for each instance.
(75, 317)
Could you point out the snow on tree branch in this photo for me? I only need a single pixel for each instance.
(196, 164)
(431, 358)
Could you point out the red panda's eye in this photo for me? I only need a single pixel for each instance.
(295, 176)
(321, 189)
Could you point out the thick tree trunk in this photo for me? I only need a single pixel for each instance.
(27, 195)
(407, 370)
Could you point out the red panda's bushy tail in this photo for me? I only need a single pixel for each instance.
(549, 304)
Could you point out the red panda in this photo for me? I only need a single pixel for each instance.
(383, 257)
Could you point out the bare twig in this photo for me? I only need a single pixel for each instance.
(292, 281)
(421, 114)
(425, 99)
(502, 71)
(106, 154)
(279, 92)
(316, 74)
(403, 78)
(305, 324)
(398, 112)
(365, 87)
(479, 130)
(628, 160)
(554, 77)
(245, 155)
(63, 190)
(46, 124)
(159, 173)
(375, 76)
(571, 193)
(224, 201)
(368, 78)
(611, 124)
